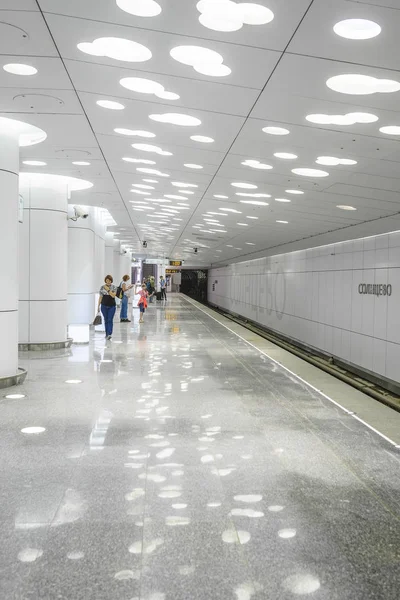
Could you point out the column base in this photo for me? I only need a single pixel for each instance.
(12, 380)
(37, 347)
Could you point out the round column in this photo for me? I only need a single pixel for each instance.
(44, 259)
(109, 256)
(83, 269)
(13, 134)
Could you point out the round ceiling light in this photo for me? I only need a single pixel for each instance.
(110, 104)
(176, 119)
(390, 129)
(252, 195)
(33, 430)
(81, 163)
(147, 86)
(285, 155)
(15, 396)
(344, 207)
(139, 133)
(192, 166)
(73, 381)
(362, 85)
(244, 186)
(116, 48)
(228, 16)
(151, 148)
(203, 60)
(357, 29)
(20, 69)
(220, 196)
(276, 130)
(256, 164)
(34, 163)
(255, 202)
(310, 172)
(140, 8)
(142, 161)
(202, 138)
(334, 161)
(284, 222)
(282, 200)
(294, 192)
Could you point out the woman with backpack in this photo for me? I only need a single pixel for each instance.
(125, 287)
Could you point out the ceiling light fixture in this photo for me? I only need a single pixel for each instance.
(357, 29)
(310, 172)
(245, 186)
(249, 195)
(151, 148)
(139, 133)
(152, 172)
(184, 185)
(81, 163)
(34, 163)
(142, 161)
(285, 155)
(116, 48)
(344, 207)
(20, 69)
(203, 60)
(390, 129)
(140, 8)
(347, 119)
(334, 162)
(176, 119)
(282, 200)
(202, 138)
(110, 104)
(147, 86)
(294, 192)
(254, 202)
(276, 130)
(220, 196)
(285, 222)
(256, 164)
(362, 85)
(193, 166)
(228, 16)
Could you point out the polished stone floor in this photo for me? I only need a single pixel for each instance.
(186, 465)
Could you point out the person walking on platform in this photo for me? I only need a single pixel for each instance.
(108, 291)
(142, 304)
(163, 287)
(125, 286)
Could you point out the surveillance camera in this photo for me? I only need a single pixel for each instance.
(195, 250)
(80, 213)
(144, 244)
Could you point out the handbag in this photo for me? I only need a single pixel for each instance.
(97, 320)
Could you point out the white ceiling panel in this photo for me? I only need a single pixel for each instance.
(25, 33)
(19, 5)
(250, 66)
(51, 74)
(203, 95)
(312, 39)
(181, 16)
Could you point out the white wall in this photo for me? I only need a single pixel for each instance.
(313, 297)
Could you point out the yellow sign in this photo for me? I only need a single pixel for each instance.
(175, 263)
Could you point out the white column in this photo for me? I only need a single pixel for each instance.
(85, 259)
(43, 264)
(12, 135)
(126, 264)
(109, 258)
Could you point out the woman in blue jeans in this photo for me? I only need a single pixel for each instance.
(108, 292)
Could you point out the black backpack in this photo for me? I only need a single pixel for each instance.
(120, 292)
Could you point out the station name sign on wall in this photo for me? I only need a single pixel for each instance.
(375, 289)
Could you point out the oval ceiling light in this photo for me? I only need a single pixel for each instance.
(152, 172)
(347, 119)
(310, 172)
(174, 197)
(176, 119)
(252, 195)
(203, 60)
(294, 192)
(390, 129)
(138, 133)
(184, 185)
(362, 85)
(334, 161)
(143, 186)
(20, 69)
(116, 48)
(151, 148)
(256, 164)
(345, 207)
(110, 104)
(228, 16)
(140, 8)
(193, 166)
(244, 186)
(220, 196)
(34, 163)
(276, 130)
(142, 161)
(202, 138)
(255, 202)
(357, 29)
(147, 86)
(284, 222)
(81, 163)
(282, 200)
(285, 155)
(34, 430)
(15, 396)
